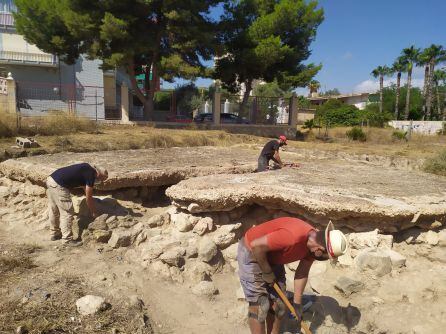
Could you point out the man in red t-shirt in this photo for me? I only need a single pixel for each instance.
(262, 253)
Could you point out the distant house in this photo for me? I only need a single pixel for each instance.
(359, 100)
(44, 83)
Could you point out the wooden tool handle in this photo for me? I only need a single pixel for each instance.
(291, 308)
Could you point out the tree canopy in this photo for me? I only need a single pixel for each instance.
(267, 40)
(168, 38)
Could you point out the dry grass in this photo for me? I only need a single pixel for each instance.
(379, 142)
(436, 164)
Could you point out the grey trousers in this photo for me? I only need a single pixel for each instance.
(60, 210)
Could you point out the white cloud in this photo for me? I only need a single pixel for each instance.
(372, 86)
(347, 56)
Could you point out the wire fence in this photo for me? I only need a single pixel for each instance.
(274, 110)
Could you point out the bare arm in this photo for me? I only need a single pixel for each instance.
(277, 159)
(260, 249)
(300, 279)
(90, 201)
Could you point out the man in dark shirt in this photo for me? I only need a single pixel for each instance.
(271, 152)
(60, 206)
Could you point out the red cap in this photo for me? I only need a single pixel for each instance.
(283, 138)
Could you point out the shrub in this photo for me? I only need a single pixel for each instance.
(336, 113)
(374, 117)
(436, 165)
(356, 133)
(310, 124)
(399, 135)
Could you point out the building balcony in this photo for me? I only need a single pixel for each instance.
(6, 19)
(25, 58)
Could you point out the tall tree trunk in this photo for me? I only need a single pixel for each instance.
(425, 84)
(248, 88)
(397, 99)
(429, 90)
(381, 87)
(443, 118)
(139, 94)
(409, 81)
(437, 92)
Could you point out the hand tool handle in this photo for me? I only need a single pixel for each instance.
(291, 308)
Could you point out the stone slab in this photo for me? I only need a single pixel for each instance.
(351, 194)
(136, 168)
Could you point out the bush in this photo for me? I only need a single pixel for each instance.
(399, 135)
(356, 133)
(436, 165)
(374, 117)
(336, 113)
(161, 100)
(310, 124)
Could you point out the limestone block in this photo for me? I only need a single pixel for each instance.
(89, 304)
(102, 236)
(226, 235)
(230, 253)
(181, 222)
(372, 260)
(174, 256)
(207, 249)
(203, 226)
(205, 288)
(122, 238)
(197, 271)
(158, 220)
(348, 285)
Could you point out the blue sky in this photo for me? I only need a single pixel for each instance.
(358, 35)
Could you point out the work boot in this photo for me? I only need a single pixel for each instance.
(73, 243)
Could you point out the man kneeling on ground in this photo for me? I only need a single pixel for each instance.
(60, 205)
(271, 152)
(261, 255)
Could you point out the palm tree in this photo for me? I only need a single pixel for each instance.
(314, 85)
(440, 77)
(380, 72)
(433, 55)
(409, 56)
(398, 67)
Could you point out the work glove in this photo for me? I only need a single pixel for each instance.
(269, 278)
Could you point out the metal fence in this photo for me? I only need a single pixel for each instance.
(41, 99)
(255, 110)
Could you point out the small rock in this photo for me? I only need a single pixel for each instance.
(110, 220)
(348, 285)
(121, 238)
(226, 235)
(431, 238)
(205, 288)
(159, 220)
(174, 256)
(230, 253)
(207, 249)
(203, 225)
(193, 208)
(181, 222)
(21, 330)
(197, 271)
(91, 305)
(372, 259)
(396, 258)
(102, 236)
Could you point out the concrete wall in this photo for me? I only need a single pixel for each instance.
(304, 115)
(109, 91)
(422, 127)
